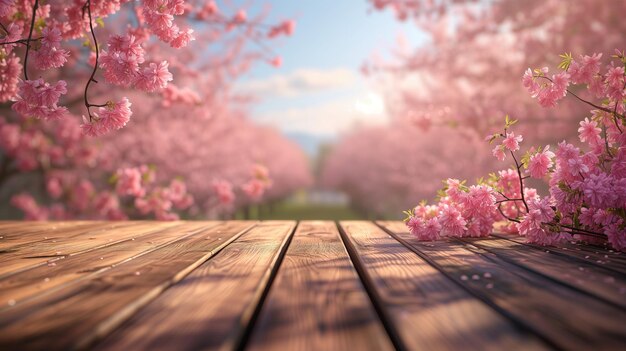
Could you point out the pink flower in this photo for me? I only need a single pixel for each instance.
(415, 225)
(50, 54)
(6, 6)
(254, 189)
(276, 61)
(10, 72)
(549, 94)
(28, 205)
(577, 166)
(240, 17)
(599, 191)
(286, 27)
(81, 195)
(224, 191)
(530, 83)
(113, 116)
(454, 189)
(54, 187)
(511, 141)
(451, 221)
(540, 163)
(9, 137)
(498, 152)
(129, 182)
(585, 69)
(615, 77)
(121, 62)
(106, 203)
(431, 230)
(589, 132)
(154, 77)
(183, 39)
(209, 9)
(616, 235)
(36, 98)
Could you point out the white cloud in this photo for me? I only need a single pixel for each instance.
(299, 82)
(330, 118)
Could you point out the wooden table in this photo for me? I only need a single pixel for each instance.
(283, 285)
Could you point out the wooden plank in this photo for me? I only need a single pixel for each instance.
(75, 316)
(26, 256)
(564, 317)
(29, 283)
(23, 233)
(425, 308)
(600, 256)
(212, 307)
(317, 301)
(593, 279)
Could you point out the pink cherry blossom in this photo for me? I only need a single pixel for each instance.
(254, 189)
(129, 182)
(154, 77)
(585, 69)
(511, 141)
(589, 132)
(540, 163)
(451, 221)
(498, 152)
(39, 99)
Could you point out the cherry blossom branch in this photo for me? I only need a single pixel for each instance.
(586, 232)
(505, 216)
(615, 108)
(521, 181)
(88, 105)
(30, 37)
(583, 100)
(19, 41)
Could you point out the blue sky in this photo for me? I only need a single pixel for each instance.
(319, 89)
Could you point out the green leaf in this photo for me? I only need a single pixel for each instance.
(408, 214)
(508, 121)
(566, 61)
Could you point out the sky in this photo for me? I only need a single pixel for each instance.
(319, 90)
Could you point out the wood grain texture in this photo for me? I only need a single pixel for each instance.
(426, 309)
(317, 301)
(77, 315)
(42, 279)
(211, 308)
(563, 317)
(604, 257)
(68, 241)
(21, 235)
(595, 280)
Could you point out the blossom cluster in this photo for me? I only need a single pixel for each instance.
(587, 183)
(254, 188)
(41, 29)
(122, 65)
(134, 190)
(112, 116)
(461, 212)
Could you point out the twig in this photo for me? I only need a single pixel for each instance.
(87, 6)
(521, 182)
(30, 37)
